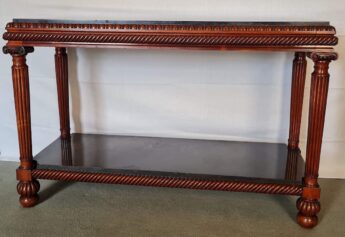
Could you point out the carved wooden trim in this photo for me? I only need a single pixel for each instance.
(323, 56)
(159, 39)
(19, 51)
(186, 34)
(172, 182)
(175, 27)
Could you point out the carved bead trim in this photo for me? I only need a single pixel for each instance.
(210, 40)
(172, 27)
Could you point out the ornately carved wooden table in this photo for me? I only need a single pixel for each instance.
(169, 162)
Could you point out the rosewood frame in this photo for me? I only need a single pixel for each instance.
(314, 40)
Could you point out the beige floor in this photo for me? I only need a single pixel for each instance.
(83, 209)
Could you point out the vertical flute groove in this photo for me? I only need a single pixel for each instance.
(318, 100)
(308, 204)
(27, 186)
(22, 104)
(292, 164)
(297, 92)
(61, 68)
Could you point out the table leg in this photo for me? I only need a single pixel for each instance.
(297, 92)
(61, 68)
(27, 187)
(308, 204)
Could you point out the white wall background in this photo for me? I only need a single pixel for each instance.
(174, 93)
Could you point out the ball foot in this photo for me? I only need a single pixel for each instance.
(308, 209)
(307, 221)
(28, 201)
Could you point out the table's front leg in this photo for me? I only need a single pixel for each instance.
(308, 204)
(27, 187)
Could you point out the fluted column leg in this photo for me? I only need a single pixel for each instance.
(296, 104)
(292, 160)
(297, 91)
(308, 204)
(61, 68)
(27, 187)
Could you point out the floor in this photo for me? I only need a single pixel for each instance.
(84, 209)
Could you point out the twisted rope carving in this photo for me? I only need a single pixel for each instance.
(164, 181)
(174, 39)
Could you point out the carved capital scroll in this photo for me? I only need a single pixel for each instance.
(19, 51)
(323, 56)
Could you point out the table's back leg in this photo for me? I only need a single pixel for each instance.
(61, 68)
(308, 204)
(27, 187)
(297, 92)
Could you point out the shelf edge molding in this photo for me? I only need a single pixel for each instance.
(171, 182)
(203, 35)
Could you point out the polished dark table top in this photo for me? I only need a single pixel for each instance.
(211, 23)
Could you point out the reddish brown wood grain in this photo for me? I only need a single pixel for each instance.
(61, 69)
(27, 187)
(309, 205)
(22, 104)
(297, 92)
(292, 164)
(207, 35)
(171, 182)
(315, 39)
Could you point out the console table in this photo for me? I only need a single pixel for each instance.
(170, 162)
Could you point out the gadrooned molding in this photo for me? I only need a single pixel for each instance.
(174, 34)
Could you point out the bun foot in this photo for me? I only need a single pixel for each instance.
(28, 192)
(307, 221)
(28, 201)
(308, 209)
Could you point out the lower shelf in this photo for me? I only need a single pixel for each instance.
(171, 162)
